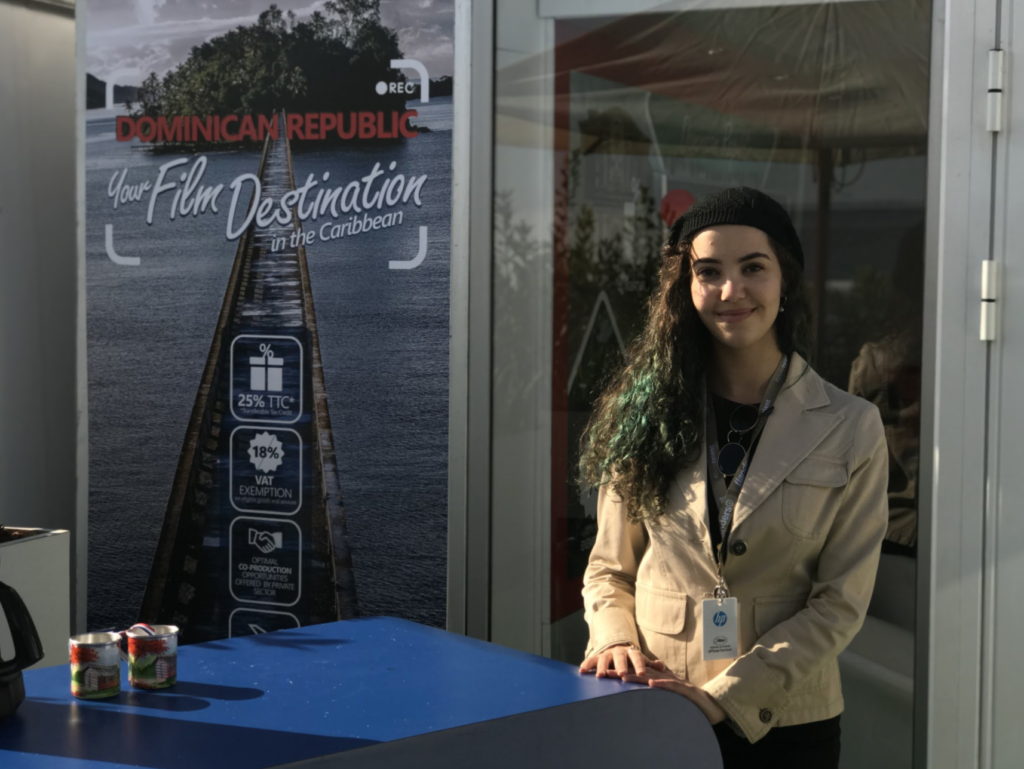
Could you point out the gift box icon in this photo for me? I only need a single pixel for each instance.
(266, 373)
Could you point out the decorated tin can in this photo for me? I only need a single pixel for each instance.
(95, 665)
(152, 656)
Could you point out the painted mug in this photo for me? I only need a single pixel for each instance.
(152, 656)
(95, 665)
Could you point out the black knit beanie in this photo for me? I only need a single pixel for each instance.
(740, 205)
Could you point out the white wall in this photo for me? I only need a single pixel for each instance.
(39, 274)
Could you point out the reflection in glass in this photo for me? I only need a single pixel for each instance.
(608, 128)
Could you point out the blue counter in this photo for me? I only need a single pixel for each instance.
(372, 692)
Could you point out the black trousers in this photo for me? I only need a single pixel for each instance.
(805, 746)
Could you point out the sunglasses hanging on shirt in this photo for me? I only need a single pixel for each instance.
(741, 422)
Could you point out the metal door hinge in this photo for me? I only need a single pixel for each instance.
(996, 83)
(989, 290)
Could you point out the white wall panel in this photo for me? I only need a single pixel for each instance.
(38, 273)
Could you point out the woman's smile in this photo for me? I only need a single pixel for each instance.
(735, 315)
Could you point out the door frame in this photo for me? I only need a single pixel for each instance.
(469, 479)
(951, 550)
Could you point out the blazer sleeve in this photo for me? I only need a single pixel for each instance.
(610, 579)
(756, 687)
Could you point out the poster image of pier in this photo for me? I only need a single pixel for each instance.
(267, 215)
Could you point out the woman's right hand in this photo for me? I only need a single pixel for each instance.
(616, 661)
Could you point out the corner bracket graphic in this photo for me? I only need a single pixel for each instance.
(420, 256)
(420, 70)
(128, 261)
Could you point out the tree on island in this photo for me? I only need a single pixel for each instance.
(329, 63)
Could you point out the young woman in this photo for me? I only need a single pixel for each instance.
(736, 488)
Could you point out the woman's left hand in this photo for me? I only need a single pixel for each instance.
(668, 680)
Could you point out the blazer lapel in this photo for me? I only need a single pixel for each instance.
(792, 432)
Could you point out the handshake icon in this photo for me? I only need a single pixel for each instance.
(266, 541)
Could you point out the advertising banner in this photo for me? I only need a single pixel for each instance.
(267, 216)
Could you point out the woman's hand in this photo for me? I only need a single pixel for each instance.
(616, 661)
(666, 679)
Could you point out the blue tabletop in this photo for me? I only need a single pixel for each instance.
(274, 698)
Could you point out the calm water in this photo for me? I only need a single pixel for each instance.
(384, 343)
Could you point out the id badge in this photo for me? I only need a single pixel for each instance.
(721, 629)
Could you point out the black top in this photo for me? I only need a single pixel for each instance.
(723, 410)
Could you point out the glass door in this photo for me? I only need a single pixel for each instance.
(610, 118)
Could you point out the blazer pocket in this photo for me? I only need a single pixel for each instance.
(663, 611)
(661, 622)
(811, 495)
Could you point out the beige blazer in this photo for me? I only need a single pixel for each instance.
(804, 550)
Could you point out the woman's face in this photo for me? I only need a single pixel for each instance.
(736, 284)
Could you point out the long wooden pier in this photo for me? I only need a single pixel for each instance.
(254, 537)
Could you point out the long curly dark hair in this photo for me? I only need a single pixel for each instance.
(648, 422)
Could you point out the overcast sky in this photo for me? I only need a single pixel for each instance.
(128, 39)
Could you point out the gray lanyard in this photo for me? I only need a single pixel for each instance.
(726, 498)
